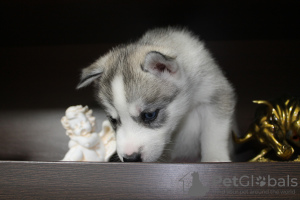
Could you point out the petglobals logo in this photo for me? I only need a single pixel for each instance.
(251, 181)
(193, 184)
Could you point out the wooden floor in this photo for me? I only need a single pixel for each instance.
(48, 180)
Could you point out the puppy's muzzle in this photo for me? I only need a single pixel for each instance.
(135, 157)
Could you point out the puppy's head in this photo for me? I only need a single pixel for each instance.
(140, 91)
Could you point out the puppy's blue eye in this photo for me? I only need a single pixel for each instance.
(149, 116)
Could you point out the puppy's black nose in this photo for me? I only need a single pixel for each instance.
(135, 157)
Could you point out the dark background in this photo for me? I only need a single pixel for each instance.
(60, 22)
(44, 45)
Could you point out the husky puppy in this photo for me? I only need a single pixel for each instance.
(164, 95)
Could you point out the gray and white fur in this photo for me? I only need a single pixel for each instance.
(166, 98)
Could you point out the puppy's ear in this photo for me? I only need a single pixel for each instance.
(159, 64)
(89, 74)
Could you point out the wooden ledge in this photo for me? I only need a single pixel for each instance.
(87, 180)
